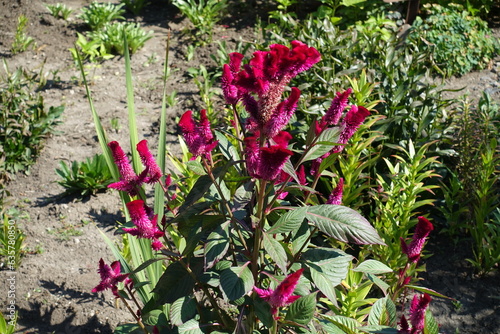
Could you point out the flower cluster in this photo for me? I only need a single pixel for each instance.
(145, 223)
(130, 182)
(418, 308)
(110, 277)
(198, 135)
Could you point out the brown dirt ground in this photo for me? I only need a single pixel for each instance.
(53, 287)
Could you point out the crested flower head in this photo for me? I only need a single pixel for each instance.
(414, 249)
(283, 295)
(350, 123)
(198, 135)
(110, 277)
(145, 226)
(260, 84)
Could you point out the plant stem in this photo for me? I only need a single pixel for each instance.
(136, 317)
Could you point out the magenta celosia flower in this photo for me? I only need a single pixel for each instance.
(283, 295)
(333, 114)
(129, 181)
(418, 307)
(267, 75)
(414, 249)
(145, 225)
(350, 123)
(198, 135)
(110, 277)
(336, 195)
(152, 171)
(265, 162)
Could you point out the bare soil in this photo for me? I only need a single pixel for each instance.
(53, 286)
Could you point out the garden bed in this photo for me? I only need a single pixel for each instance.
(54, 282)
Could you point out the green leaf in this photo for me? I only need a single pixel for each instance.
(383, 312)
(428, 291)
(348, 325)
(343, 224)
(182, 310)
(431, 326)
(290, 221)
(190, 327)
(276, 251)
(378, 282)
(263, 312)
(235, 282)
(175, 283)
(378, 329)
(302, 310)
(328, 268)
(195, 167)
(128, 329)
(226, 147)
(373, 267)
(326, 141)
(217, 245)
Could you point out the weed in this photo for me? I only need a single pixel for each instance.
(203, 14)
(85, 178)
(21, 40)
(11, 242)
(112, 35)
(135, 6)
(59, 10)
(66, 231)
(97, 15)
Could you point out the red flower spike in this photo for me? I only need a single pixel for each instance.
(110, 277)
(198, 135)
(351, 122)
(272, 160)
(283, 295)
(333, 114)
(129, 181)
(153, 171)
(145, 227)
(336, 195)
(414, 249)
(417, 312)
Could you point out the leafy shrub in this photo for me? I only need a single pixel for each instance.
(459, 41)
(21, 40)
(112, 35)
(98, 14)
(24, 120)
(85, 178)
(203, 14)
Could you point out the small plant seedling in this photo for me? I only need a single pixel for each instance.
(60, 11)
(98, 14)
(21, 40)
(85, 178)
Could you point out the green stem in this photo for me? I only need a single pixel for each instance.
(258, 227)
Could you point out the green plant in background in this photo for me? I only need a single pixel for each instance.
(21, 40)
(59, 10)
(96, 15)
(25, 120)
(111, 36)
(85, 178)
(135, 6)
(459, 41)
(11, 241)
(92, 50)
(402, 194)
(203, 14)
(8, 326)
(205, 82)
(478, 177)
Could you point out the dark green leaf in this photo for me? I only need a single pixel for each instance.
(383, 312)
(182, 310)
(216, 245)
(235, 282)
(275, 250)
(175, 283)
(372, 267)
(378, 329)
(190, 327)
(289, 221)
(343, 224)
(302, 310)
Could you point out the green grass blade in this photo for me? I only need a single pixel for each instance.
(132, 124)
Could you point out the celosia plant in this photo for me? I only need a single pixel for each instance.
(242, 245)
